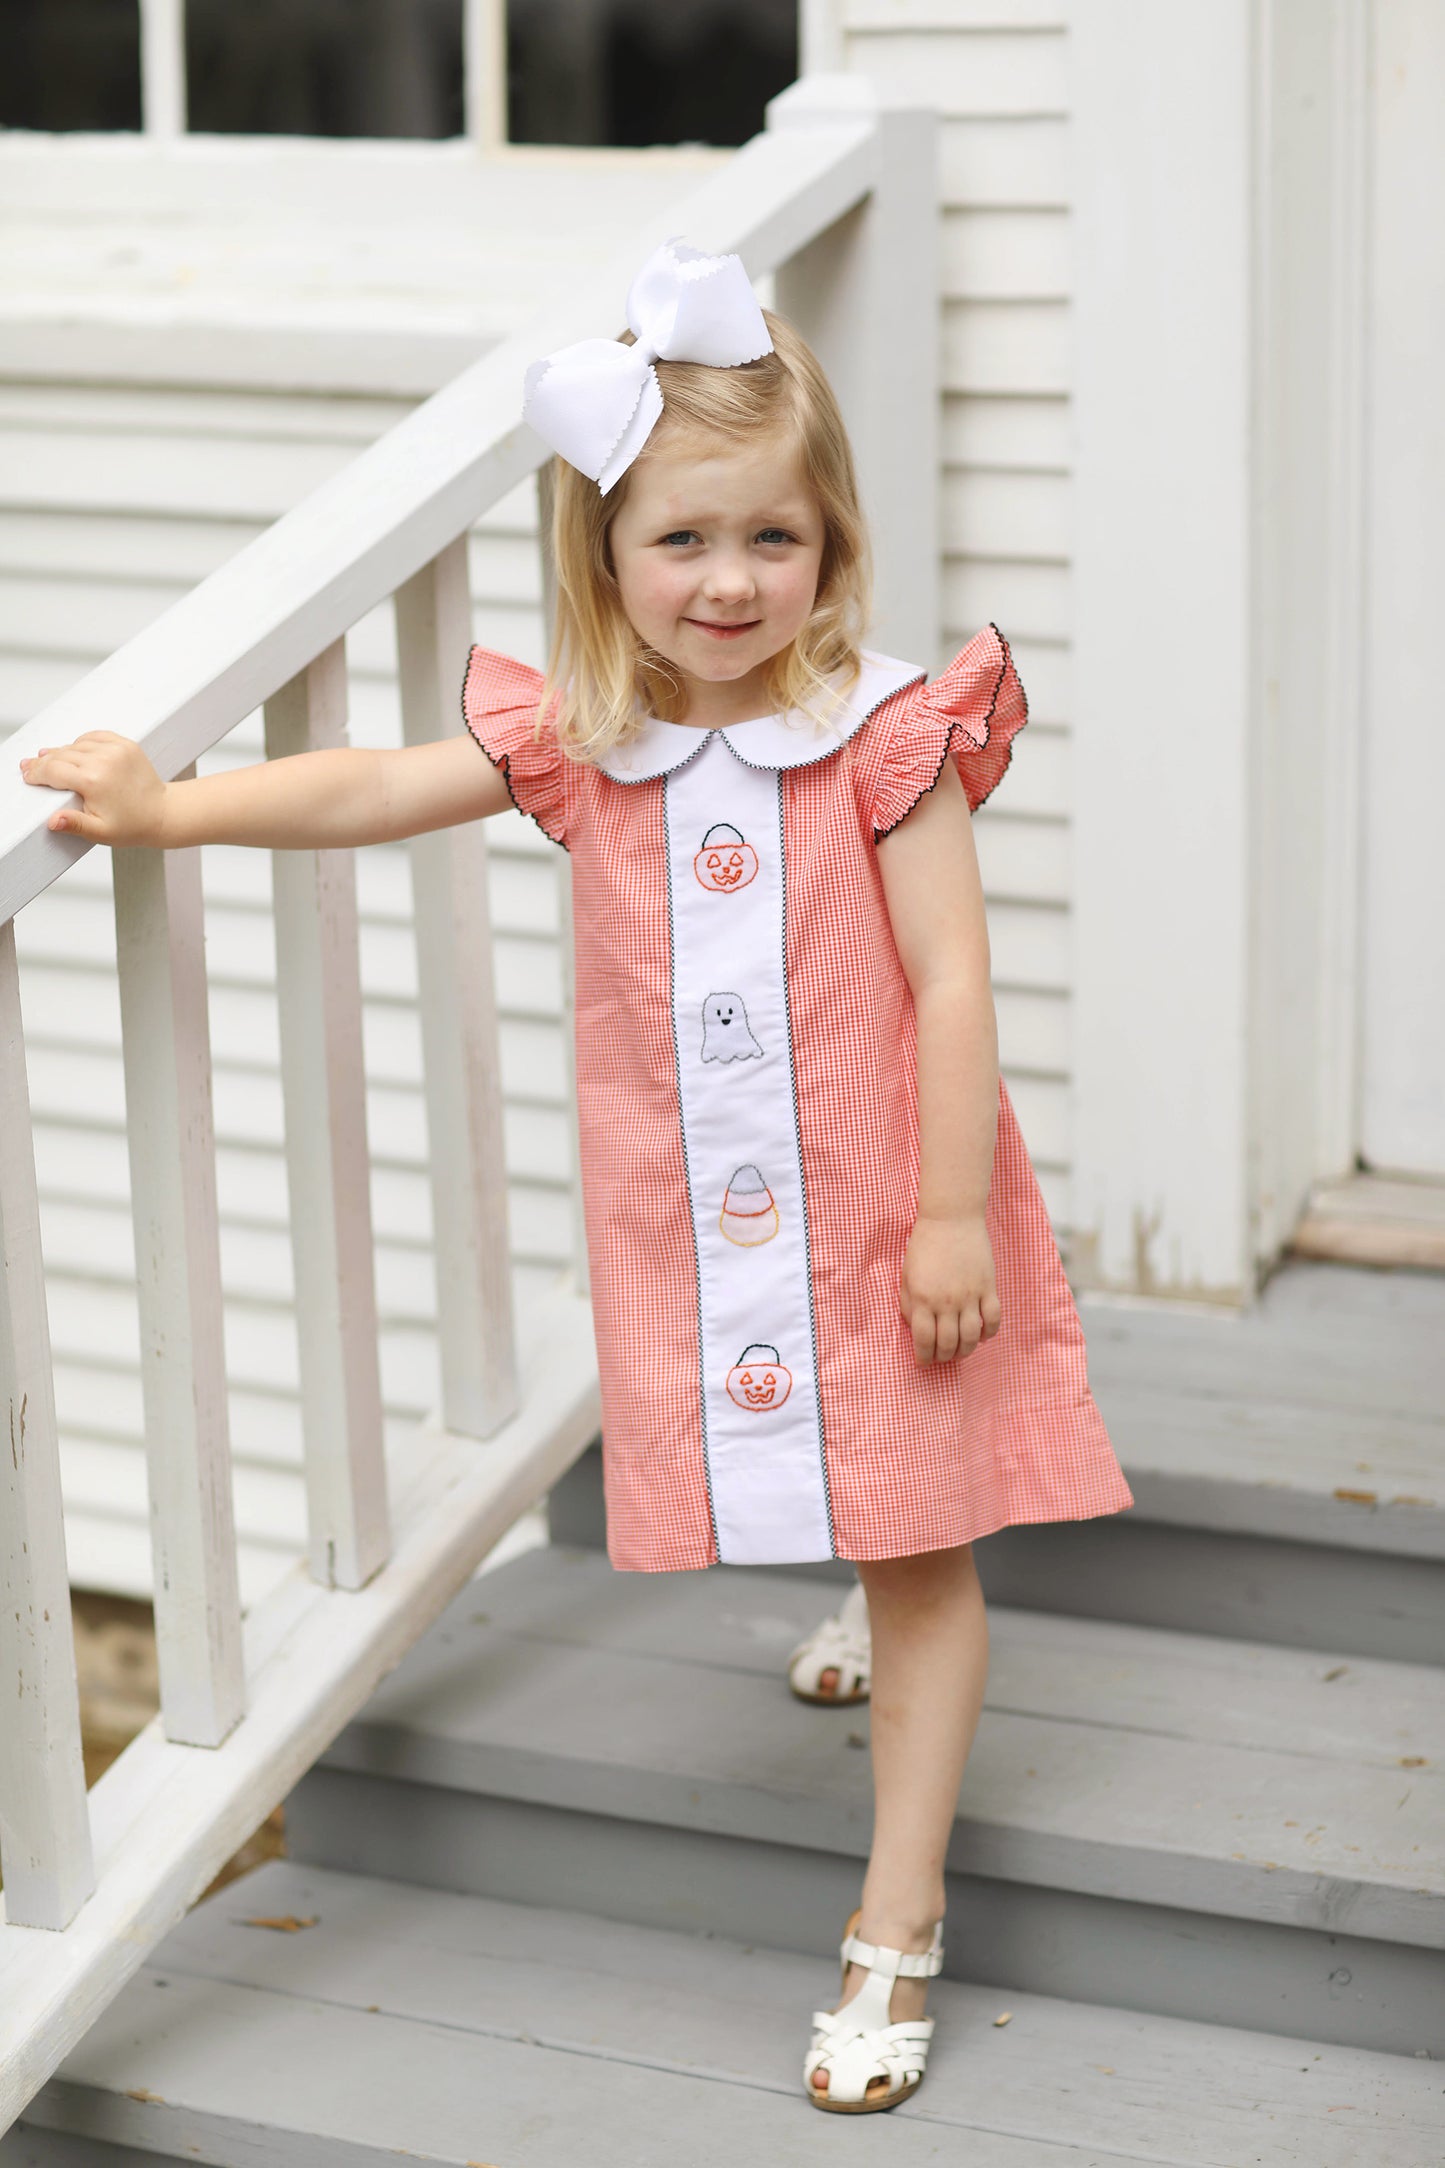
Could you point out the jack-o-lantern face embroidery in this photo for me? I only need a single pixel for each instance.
(758, 1380)
(725, 862)
(749, 1216)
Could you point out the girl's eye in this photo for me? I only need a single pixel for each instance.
(680, 534)
(774, 534)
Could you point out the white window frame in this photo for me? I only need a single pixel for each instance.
(484, 62)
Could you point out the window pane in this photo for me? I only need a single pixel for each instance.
(646, 71)
(325, 67)
(69, 64)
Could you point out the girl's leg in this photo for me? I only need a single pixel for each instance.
(930, 1666)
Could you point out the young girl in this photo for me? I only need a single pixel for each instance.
(831, 1318)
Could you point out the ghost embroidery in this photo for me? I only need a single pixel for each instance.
(725, 862)
(725, 1033)
(758, 1380)
(749, 1216)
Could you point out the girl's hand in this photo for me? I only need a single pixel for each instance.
(122, 797)
(946, 1290)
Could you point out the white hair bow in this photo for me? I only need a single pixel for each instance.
(598, 402)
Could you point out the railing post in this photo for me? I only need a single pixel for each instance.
(865, 295)
(459, 1028)
(328, 1167)
(45, 1849)
(165, 1031)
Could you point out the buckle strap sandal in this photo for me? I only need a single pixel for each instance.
(842, 1643)
(870, 2062)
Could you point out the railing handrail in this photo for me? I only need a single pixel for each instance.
(192, 675)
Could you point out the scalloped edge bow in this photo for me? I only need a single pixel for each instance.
(598, 402)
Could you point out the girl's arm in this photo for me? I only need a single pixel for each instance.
(931, 883)
(325, 800)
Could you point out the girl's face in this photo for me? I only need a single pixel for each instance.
(717, 559)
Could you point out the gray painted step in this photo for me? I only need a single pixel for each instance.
(1201, 1580)
(1173, 1821)
(1288, 1469)
(459, 2029)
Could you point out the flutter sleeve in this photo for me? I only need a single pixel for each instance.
(500, 699)
(971, 713)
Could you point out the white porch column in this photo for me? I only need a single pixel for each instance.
(864, 294)
(1165, 764)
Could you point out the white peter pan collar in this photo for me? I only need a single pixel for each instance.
(790, 740)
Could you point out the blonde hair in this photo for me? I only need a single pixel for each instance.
(607, 677)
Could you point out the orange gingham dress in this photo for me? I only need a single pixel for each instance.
(747, 1104)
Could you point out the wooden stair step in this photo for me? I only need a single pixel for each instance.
(1319, 1414)
(466, 2029)
(1191, 1770)
(1217, 1830)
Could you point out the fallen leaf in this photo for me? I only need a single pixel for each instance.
(286, 1922)
(1413, 1761)
(1107, 2068)
(138, 2092)
(1357, 1497)
(1003, 2017)
(1338, 1672)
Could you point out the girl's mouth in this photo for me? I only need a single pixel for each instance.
(724, 632)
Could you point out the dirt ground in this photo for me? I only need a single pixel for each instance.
(115, 1657)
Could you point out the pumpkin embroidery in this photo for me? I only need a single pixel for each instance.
(725, 1032)
(725, 862)
(758, 1380)
(749, 1216)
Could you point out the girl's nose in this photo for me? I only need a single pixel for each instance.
(728, 579)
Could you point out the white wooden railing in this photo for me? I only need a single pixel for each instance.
(836, 198)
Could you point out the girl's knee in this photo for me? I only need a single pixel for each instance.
(917, 1573)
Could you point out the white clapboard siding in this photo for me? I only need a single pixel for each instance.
(997, 71)
(114, 500)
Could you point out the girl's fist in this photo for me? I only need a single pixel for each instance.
(121, 796)
(946, 1290)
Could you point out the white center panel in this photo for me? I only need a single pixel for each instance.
(762, 1426)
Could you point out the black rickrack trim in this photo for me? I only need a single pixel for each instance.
(802, 1175)
(826, 752)
(659, 775)
(956, 728)
(687, 1177)
(501, 761)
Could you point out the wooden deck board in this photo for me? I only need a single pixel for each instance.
(1375, 1220)
(1321, 1336)
(516, 2027)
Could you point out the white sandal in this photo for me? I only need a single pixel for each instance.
(858, 2045)
(842, 1643)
